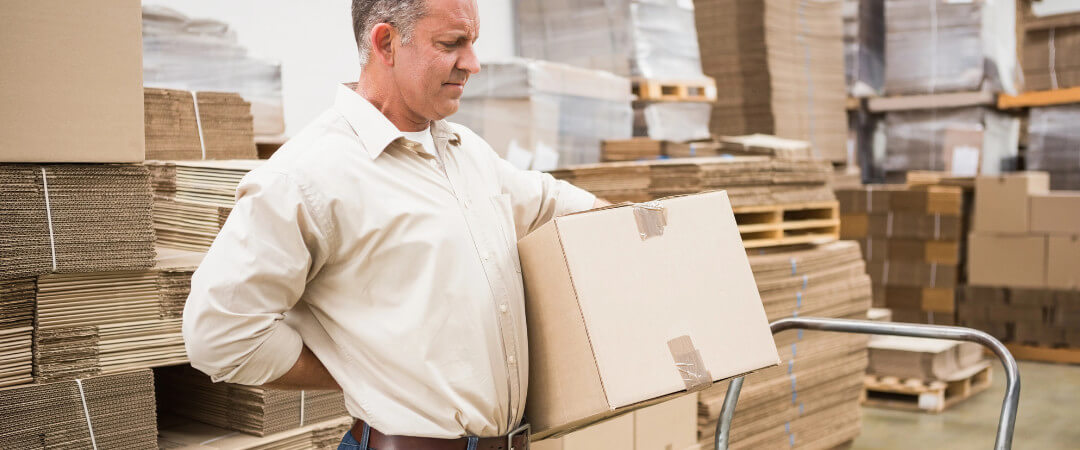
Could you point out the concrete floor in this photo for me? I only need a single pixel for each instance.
(1048, 418)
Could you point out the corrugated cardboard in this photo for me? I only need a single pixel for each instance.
(1006, 260)
(617, 433)
(72, 84)
(603, 303)
(1063, 263)
(923, 359)
(1056, 212)
(669, 425)
(1001, 202)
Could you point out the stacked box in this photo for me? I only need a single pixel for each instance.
(1053, 144)
(812, 399)
(864, 46)
(1040, 317)
(543, 115)
(961, 46)
(638, 149)
(924, 139)
(1051, 50)
(778, 66)
(913, 243)
(671, 425)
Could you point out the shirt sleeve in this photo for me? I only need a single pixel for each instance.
(254, 273)
(538, 197)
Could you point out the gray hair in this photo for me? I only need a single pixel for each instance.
(402, 14)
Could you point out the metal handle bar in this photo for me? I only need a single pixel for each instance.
(1012, 389)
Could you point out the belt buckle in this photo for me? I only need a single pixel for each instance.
(523, 430)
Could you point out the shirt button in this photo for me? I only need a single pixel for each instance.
(467, 204)
(503, 307)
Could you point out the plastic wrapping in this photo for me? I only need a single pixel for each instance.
(205, 55)
(950, 46)
(864, 46)
(1051, 51)
(915, 140)
(544, 115)
(647, 38)
(1054, 144)
(672, 121)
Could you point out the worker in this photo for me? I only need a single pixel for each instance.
(376, 253)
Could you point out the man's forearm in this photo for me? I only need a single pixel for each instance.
(308, 373)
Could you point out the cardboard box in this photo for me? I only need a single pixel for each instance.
(631, 303)
(617, 433)
(1063, 262)
(1056, 212)
(1007, 260)
(669, 425)
(1001, 201)
(73, 88)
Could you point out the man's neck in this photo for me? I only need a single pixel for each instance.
(392, 106)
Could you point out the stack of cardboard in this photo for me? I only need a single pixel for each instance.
(924, 359)
(913, 242)
(779, 65)
(1039, 317)
(961, 140)
(542, 115)
(192, 199)
(16, 331)
(812, 399)
(219, 128)
(638, 149)
(182, 434)
(1051, 50)
(205, 55)
(749, 180)
(187, 392)
(1052, 144)
(108, 411)
(964, 46)
(763, 144)
(670, 425)
(864, 46)
(106, 322)
(74, 218)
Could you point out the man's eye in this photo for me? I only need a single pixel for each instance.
(450, 44)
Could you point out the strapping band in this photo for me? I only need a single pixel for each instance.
(1053, 61)
(89, 426)
(198, 122)
(301, 408)
(48, 215)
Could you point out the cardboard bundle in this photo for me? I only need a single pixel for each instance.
(543, 115)
(779, 69)
(181, 433)
(640, 148)
(924, 359)
(964, 46)
(913, 240)
(811, 399)
(678, 121)
(106, 322)
(218, 127)
(1052, 138)
(1051, 50)
(763, 144)
(927, 139)
(187, 392)
(16, 331)
(864, 46)
(107, 411)
(192, 199)
(205, 55)
(74, 218)
(1041, 317)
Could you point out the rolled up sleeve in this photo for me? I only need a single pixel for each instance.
(538, 197)
(254, 273)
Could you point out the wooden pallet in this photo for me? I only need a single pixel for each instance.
(918, 395)
(798, 223)
(1064, 355)
(1039, 98)
(696, 90)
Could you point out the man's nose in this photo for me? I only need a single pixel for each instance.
(468, 60)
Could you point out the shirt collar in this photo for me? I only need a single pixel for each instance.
(375, 131)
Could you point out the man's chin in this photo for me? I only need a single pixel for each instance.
(447, 108)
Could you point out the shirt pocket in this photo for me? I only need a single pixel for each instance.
(504, 218)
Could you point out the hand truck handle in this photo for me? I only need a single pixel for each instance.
(1012, 389)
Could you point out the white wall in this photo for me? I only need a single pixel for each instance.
(314, 42)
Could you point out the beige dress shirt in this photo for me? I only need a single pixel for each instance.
(399, 273)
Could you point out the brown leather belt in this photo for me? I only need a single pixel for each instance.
(516, 440)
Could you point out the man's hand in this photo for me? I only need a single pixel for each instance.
(307, 373)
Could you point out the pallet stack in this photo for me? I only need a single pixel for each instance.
(812, 399)
(930, 375)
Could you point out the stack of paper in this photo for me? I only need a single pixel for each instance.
(108, 411)
(105, 322)
(812, 399)
(16, 331)
(189, 434)
(779, 69)
(187, 392)
(192, 199)
(217, 127)
(74, 218)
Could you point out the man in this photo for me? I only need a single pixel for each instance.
(376, 251)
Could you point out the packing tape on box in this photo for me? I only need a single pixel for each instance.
(1053, 60)
(198, 122)
(689, 364)
(651, 218)
(48, 216)
(86, 410)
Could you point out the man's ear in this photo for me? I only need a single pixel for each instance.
(382, 43)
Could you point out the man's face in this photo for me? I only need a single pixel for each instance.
(431, 70)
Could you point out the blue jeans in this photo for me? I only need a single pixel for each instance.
(348, 442)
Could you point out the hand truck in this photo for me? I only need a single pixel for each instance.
(1006, 421)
